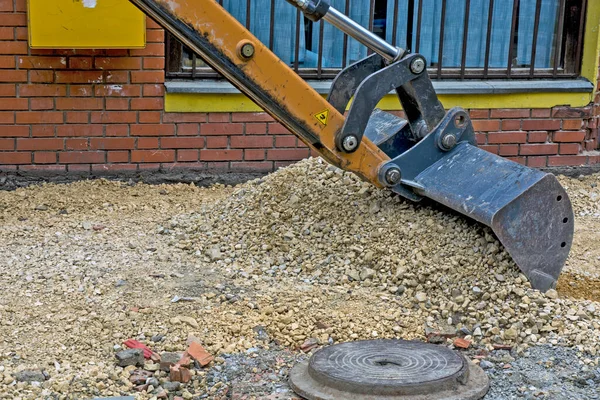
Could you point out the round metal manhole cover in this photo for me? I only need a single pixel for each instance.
(388, 369)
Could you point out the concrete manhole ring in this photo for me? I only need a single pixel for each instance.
(388, 370)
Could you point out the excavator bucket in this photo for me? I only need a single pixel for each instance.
(432, 153)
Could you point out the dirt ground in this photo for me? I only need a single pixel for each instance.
(90, 264)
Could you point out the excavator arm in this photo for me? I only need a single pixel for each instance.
(433, 153)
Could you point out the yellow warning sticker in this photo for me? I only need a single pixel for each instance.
(323, 117)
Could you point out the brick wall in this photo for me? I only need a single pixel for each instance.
(100, 111)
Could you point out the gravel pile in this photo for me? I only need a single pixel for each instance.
(301, 258)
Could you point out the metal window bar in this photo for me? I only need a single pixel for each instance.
(566, 52)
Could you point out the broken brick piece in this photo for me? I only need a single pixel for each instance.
(198, 353)
(178, 373)
(186, 376)
(462, 343)
(148, 353)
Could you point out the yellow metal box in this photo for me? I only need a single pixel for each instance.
(77, 24)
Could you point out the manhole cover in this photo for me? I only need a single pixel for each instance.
(388, 369)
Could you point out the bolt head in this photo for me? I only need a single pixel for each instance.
(417, 65)
(247, 50)
(393, 176)
(350, 143)
(449, 141)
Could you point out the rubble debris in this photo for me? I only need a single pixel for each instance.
(461, 343)
(130, 357)
(30, 376)
(198, 353)
(167, 359)
(148, 353)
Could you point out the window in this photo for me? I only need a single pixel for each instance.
(461, 39)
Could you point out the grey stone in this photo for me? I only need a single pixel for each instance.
(171, 386)
(30, 376)
(130, 357)
(486, 364)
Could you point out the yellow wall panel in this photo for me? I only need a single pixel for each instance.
(98, 24)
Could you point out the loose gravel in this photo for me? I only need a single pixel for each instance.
(304, 257)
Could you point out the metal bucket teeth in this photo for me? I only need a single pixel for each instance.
(527, 209)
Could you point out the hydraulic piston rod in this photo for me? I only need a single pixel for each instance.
(317, 9)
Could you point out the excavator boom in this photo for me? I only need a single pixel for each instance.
(432, 153)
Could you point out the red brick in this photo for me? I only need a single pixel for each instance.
(569, 136)
(151, 49)
(486, 125)
(7, 117)
(127, 63)
(508, 149)
(278, 129)
(572, 124)
(219, 117)
(147, 143)
(78, 117)
(15, 158)
(7, 61)
(116, 76)
(537, 137)
(256, 129)
(254, 154)
(117, 104)
(39, 117)
(537, 162)
(511, 124)
(480, 137)
(217, 142)
(506, 137)
(187, 129)
(40, 144)
(222, 129)
(14, 104)
(154, 63)
(285, 141)
(76, 144)
(182, 143)
(147, 76)
(79, 76)
(44, 157)
(150, 24)
(149, 117)
(217, 166)
(8, 90)
(490, 148)
(41, 103)
(37, 76)
(7, 144)
(117, 156)
(541, 124)
(510, 113)
(479, 114)
(13, 47)
(118, 90)
(569, 112)
(557, 161)
(42, 90)
(81, 157)
(13, 20)
(187, 155)
(114, 117)
(540, 113)
(520, 160)
(152, 156)
(80, 62)
(22, 33)
(117, 130)
(81, 90)
(7, 33)
(6, 5)
(287, 154)
(112, 143)
(184, 117)
(153, 130)
(155, 36)
(79, 104)
(220, 155)
(255, 166)
(14, 131)
(83, 168)
(13, 76)
(79, 130)
(44, 169)
(153, 103)
(251, 117)
(112, 168)
(245, 142)
(43, 131)
(34, 62)
(538, 149)
(154, 90)
(569, 148)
